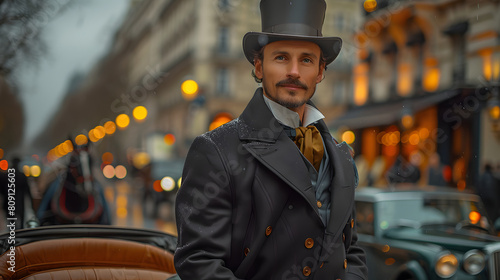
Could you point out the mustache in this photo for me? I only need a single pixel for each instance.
(294, 82)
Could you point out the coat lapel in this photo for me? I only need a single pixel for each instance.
(264, 138)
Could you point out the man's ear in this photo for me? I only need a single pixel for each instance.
(258, 68)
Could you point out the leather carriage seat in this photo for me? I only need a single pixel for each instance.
(88, 258)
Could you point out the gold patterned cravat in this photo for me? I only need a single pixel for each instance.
(310, 144)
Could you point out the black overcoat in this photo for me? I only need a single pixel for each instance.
(247, 210)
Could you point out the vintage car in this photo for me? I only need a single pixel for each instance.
(86, 252)
(426, 233)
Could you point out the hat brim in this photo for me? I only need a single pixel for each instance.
(254, 41)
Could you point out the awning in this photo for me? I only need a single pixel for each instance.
(388, 112)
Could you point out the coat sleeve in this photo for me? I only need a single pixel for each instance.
(356, 259)
(203, 215)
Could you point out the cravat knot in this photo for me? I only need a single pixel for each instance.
(308, 140)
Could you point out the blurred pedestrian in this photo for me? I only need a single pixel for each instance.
(488, 188)
(435, 171)
(270, 195)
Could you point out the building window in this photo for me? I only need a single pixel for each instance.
(223, 42)
(222, 82)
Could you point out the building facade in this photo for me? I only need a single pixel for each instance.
(425, 96)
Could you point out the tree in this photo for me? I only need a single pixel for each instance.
(21, 22)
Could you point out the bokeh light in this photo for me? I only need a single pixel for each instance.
(4, 165)
(107, 157)
(120, 171)
(348, 137)
(167, 183)
(122, 121)
(109, 127)
(474, 217)
(220, 119)
(370, 5)
(169, 139)
(157, 186)
(141, 159)
(140, 113)
(108, 171)
(35, 171)
(81, 140)
(99, 132)
(189, 89)
(26, 170)
(1, 153)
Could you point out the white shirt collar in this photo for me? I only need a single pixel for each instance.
(290, 118)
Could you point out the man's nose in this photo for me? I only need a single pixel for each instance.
(293, 69)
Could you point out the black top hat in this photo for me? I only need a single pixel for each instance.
(298, 20)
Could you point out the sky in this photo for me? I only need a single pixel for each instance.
(75, 39)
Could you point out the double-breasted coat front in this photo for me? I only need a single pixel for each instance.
(247, 208)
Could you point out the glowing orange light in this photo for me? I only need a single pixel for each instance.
(474, 217)
(35, 171)
(26, 170)
(348, 137)
(390, 261)
(361, 84)
(370, 5)
(121, 212)
(1, 153)
(189, 89)
(414, 139)
(120, 171)
(169, 139)
(495, 112)
(99, 132)
(122, 121)
(386, 248)
(4, 165)
(140, 113)
(108, 171)
(405, 79)
(109, 127)
(220, 119)
(407, 121)
(107, 157)
(157, 186)
(81, 140)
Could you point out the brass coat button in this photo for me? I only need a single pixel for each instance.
(306, 271)
(246, 251)
(345, 264)
(309, 243)
(269, 229)
(352, 223)
(319, 204)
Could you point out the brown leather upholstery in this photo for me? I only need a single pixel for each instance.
(95, 256)
(99, 274)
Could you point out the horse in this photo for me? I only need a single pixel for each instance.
(75, 197)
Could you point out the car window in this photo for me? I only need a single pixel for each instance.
(418, 212)
(364, 217)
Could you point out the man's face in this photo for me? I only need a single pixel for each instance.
(290, 71)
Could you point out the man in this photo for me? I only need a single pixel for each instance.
(254, 204)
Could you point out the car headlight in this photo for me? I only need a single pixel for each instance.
(446, 265)
(474, 262)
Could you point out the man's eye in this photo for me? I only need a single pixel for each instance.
(307, 60)
(280, 57)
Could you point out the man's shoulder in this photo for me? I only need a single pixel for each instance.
(223, 133)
